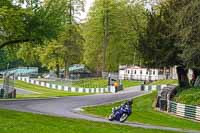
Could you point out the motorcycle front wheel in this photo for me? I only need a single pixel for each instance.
(123, 117)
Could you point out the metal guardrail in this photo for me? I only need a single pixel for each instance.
(184, 110)
(21, 70)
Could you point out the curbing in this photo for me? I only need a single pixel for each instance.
(110, 89)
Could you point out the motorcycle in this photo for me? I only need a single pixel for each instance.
(120, 113)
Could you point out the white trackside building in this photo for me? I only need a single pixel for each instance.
(147, 74)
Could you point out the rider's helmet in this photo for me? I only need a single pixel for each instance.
(130, 102)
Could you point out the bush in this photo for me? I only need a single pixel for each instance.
(189, 96)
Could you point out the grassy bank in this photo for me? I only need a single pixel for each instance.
(127, 83)
(189, 96)
(17, 122)
(95, 83)
(160, 82)
(91, 83)
(143, 112)
(41, 92)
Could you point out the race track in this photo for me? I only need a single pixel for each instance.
(70, 106)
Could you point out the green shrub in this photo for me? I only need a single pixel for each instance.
(189, 96)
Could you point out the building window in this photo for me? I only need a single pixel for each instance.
(135, 71)
(140, 71)
(150, 72)
(128, 71)
(147, 72)
(154, 72)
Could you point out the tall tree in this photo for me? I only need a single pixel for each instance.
(52, 57)
(105, 30)
(187, 29)
(69, 41)
(62, 52)
(171, 37)
(109, 40)
(34, 23)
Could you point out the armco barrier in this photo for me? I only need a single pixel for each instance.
(110, 89)
(183, 110)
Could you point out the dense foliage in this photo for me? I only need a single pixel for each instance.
(111, 34)
(190, 96)
(48, 34)
(171, 37)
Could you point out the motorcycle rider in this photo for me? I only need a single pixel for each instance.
(122, 112)
(127, 104)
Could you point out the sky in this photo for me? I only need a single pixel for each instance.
(88, 4)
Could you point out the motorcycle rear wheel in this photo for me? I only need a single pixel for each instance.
(123, 117)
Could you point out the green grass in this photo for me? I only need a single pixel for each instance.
(84, 83)
(128, 83)
(96, 83)
(160, 82)
(18, 122)
(143, 112)
(189, 96)
(91, 83)
(43, 92)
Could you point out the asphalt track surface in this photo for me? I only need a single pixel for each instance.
(70, 107)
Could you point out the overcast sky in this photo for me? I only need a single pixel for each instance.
(88, 4)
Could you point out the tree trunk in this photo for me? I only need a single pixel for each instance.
(105, 36)
(196, 73)
(66, 69)
(182, 76)
(57, 70)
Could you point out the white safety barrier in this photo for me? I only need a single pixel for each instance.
(152, 87)
(183, 110)
(110, 89)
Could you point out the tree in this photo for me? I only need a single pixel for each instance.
(72, 46)
(66, 49)
(28, 54)
(63, 52)
(51, 56)
(171, 37)
(8, 59)
(158, 45)
(72, 38)
(29, 23)
(34, 23)
(187, 29)
(109, 40)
